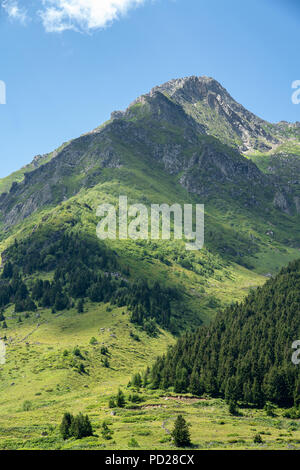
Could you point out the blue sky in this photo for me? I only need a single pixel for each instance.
(67, 68)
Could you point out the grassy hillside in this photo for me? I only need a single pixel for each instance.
(40, 381)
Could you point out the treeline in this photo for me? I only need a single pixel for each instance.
(246, 353)
(74, 260)
(48, 250)
(146, 303)
(14, 290)
(83, 268)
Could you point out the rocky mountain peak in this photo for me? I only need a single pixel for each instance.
(210, 105)
(192, 89)
(208, 91)
(190, 127)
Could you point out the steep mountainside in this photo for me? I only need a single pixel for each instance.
(18, 176)
(154, 131)
(78, 315)
(246, 353)
(167, 128)
(158, 150)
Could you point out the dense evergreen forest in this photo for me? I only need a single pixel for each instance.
(246, 353)
(79, 268)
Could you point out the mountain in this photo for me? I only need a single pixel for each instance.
(78, 315)
(209, 104)
(179, 143)
(190, 127)
(154, 129)
(162, 149)
(246, 352)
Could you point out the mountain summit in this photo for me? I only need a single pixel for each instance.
(175, 126)
(210, 104)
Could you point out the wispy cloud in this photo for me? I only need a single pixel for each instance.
(78, 15)
(14, 10)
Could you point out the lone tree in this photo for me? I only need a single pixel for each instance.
(232, 408)
(181, 433)
(120, 400)
(106, 363)
(112, 403)
(106, 432)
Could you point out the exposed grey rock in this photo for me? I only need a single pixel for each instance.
(192, 90)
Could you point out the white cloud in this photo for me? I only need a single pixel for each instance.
(14, 11)
(79, 15)
(59, 15)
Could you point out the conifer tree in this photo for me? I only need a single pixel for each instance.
(181, 433)
(80, 306)
(65, 426)
(120, 399)
(81, 427)
(105, 431)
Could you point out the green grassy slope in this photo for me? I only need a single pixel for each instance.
(40, 381)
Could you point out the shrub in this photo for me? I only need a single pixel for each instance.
(257, 439)
(81, 368)
(270, 409)
(104, 350)
(106, 363)
(77, 352)
(133, 443)
(112, 403)
(134, 336)
(120, 400)
(292, 413)
(135, 398)
(27, 405)
(233, 410)
(106, 432)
